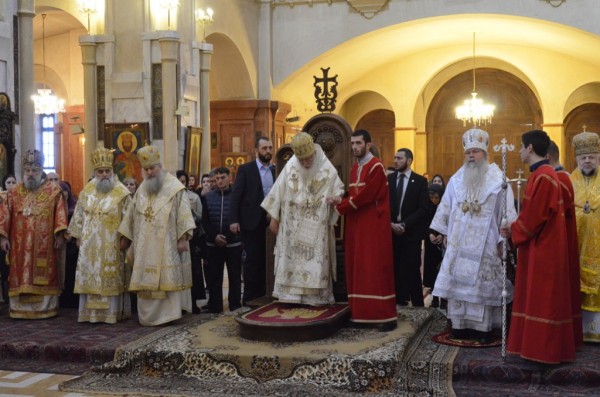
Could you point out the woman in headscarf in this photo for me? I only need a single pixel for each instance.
(433, 252)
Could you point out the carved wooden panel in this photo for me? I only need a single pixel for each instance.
(587, 115)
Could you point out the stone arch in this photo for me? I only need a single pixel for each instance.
(229, 77)
(371, 111)
(517, 110)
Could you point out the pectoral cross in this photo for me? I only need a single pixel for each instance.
(149, 213)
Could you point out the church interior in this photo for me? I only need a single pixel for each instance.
(202, 79)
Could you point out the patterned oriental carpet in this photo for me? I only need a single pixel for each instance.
(61, 344)
(208, 358)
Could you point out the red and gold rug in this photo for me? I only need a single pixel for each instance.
(444, 338)
(287, 313)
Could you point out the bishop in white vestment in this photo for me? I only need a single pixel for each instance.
(159, 223)
(305, 260)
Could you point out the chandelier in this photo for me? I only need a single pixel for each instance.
(473, 110)
(44, 101)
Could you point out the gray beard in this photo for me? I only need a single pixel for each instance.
(153, 185)
(474, 175)
(104, 185)
(588, 173)
(32, 182)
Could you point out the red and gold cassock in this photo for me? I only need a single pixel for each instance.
(368, 240)
(31, 220)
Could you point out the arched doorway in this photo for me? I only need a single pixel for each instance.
(587, 115)
(380, 124)
(517, 111)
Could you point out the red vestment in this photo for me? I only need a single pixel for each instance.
(568, 196)
(542, 321)
(368, 240)
(30, 220)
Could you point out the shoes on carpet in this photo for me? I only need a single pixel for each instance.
(388, 326)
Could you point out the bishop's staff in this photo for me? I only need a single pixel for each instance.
(504, 147)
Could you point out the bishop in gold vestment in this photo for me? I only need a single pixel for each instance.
(159, 223)
(32, 223)
(587, 210)
(101, 276)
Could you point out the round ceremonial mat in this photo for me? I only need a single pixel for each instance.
(445, 339)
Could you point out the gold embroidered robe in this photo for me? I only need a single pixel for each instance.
(587, 189)
(305, 260)
(100, 265)
(31, 220)
(154, 223)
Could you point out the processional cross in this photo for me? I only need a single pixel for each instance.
(504, 147)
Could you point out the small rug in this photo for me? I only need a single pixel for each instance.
(483, 373)
(445, 339)
(209, 358)
(285, 313)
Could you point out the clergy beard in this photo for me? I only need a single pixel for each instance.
(308, 174)
(154, 184)
(104, 185)
(590, 172)
(474, 174)
(33, 182)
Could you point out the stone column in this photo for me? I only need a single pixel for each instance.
(26, 13)
(88, 56)
(206, 51)
(169, 46)
(264, 51)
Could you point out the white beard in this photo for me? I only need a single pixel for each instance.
(104, 185)
(308, 174)
(474, 175)
(154, 184)
(33, 182)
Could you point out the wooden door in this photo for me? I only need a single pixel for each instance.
(585, 116)
(380, 124)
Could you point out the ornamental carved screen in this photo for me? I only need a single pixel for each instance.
(7, 145)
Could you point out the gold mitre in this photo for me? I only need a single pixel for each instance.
(475, 139)
(303, 145)
(102, 158)
(148, 156)
(33, 158)
(586, 143)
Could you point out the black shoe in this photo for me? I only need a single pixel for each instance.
(460, 333)
(205, 307)
(196, 310)
(435, 302)
(387, 327)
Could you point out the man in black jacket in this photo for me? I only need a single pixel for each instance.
(409, 205)
(252, 183)
(222, 245)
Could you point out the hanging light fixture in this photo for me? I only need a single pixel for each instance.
(205, 17)
(473, 110)
(45, 102)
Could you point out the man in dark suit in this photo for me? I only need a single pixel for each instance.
(252, 183)
(409, 205)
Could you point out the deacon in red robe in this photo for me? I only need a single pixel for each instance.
(368, 239)
(568, 196)
(542, 316)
